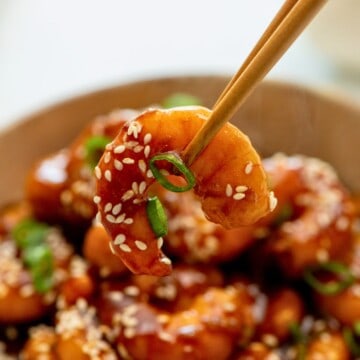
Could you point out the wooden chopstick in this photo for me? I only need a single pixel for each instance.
(275, 23)
(271, 48)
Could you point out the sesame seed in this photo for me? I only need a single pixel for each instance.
(120, 238)
(129, 332)
(128, 221)
(248, 168)
(97, 172)
(127, 195)
(238, 196)
(142, 187)
(116, 209)
(132, 290)
(97, 199)
(108, 207)
(228, 190)
(149, 174)
(147, 138)
(342, 223)
(140, 245)
(120, 219)
(131, 144)
(122, 351)
(160, 242)
(229, 307)
(98, 217)
(241, 188)
(26, 290)
(108, 175)
(163, 318)
(147, 151)
(165, 336)
(66, 197)
(165, 260)
(119, 149)
(107, 157)
(118, 165)
(138, 148)
(322, 255)
(128, 160)
(270, 340)
(125, 248)
(272, 201)
(116, 296)
(110, 218)
(135, 187)
(142, 165)
(137, 201)
(108, 146)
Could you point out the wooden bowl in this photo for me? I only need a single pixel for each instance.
(277, 117)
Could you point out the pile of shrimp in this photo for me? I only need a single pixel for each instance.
(260, 258)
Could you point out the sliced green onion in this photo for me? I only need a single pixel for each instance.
(94, 148)
(29, 232)
(157, 217)
(350, 339)
(179, 164)
(285, 214)
(39, 260)
(332, 287)
(180, 99)
(300, 339)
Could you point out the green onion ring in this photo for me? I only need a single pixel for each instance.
(349, 337)
(157, 217)
(331, 288)
(179, 164)
(94, 148)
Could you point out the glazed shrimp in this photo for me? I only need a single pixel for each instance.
(318, 228)
(77, 335)
(230, 182)
(18, 292)
(344, 305)
(285, 307)
(97, 252)
(60, 188)
(207, 327)
(193, 238)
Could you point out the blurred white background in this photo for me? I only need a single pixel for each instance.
(50, 50)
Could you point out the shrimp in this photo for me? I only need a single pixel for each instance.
(285, 307)
(344, 305)
(202, 324)
(328, 345)
(17, 291)
(318, 227)
(77, 335)
(60, 188)
(195, 239)
(230, 182)
(97, 252)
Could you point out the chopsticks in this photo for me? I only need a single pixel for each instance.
(286, 26)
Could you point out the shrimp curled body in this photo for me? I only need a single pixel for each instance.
(230, 181)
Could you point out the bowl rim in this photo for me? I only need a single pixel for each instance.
(337, 96)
